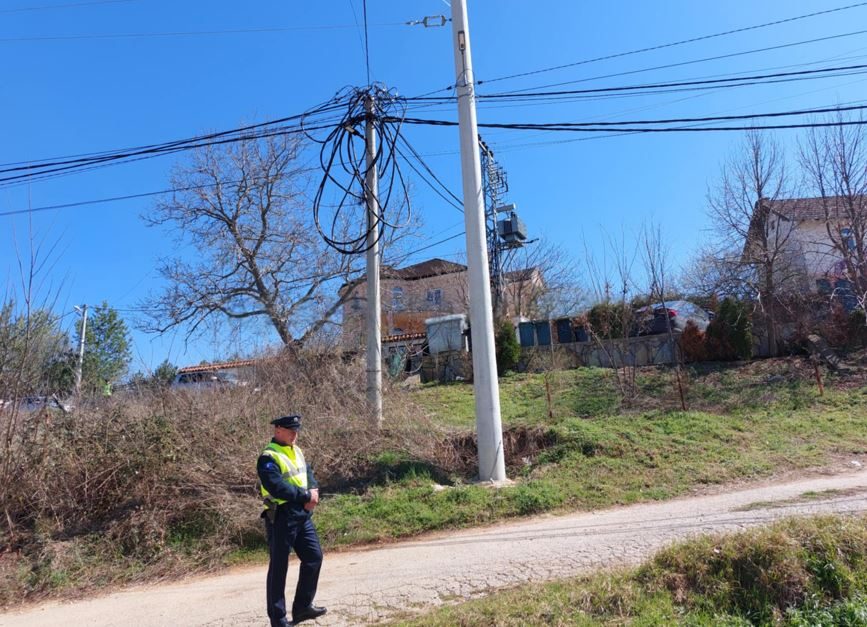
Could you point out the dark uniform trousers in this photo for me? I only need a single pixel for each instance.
(285, 534)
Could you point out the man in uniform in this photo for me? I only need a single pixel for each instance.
(290, 493)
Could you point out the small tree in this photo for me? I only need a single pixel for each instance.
(106, 348)
(508, 350)
(31, 344)
(729, 335)
(609, 320)
(165, 373)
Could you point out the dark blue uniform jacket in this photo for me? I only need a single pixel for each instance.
(272, 479)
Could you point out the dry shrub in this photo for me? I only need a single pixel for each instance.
(835, 327)
(692, 343)
(167, 478)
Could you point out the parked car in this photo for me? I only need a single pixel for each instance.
(202, 380)
(30, 404)
(653, 319)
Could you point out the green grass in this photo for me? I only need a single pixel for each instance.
(781, 384)
(523, 400)
(603, 456)
(796, 572)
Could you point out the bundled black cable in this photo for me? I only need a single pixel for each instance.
(343, 158)
(41, 169)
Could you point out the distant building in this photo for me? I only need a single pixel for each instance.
(228, 373)
(429, 289)
(814, 230)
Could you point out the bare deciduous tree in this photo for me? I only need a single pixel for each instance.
(540, 281)
(611, 318)
(755, 247)
(257, 254)
(834, 160)
(656, 258)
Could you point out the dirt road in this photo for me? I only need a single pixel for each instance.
(366, 586)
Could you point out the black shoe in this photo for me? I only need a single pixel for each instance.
(308, 613)
(283, 622)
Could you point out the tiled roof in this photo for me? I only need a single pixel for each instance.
(404, 337)
(814, 208)
(220, 366)
(520, 275)
(431, 267)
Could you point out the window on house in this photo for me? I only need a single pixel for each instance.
(397, 298)
(355, 303)
(435, 296)
(823, 286)
(847, 238)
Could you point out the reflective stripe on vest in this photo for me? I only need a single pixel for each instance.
(290, 459)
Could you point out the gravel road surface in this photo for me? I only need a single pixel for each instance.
(365, 586)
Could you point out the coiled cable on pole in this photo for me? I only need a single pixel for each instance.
(343, 159)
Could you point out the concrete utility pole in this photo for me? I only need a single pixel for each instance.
(485, 385)
(83, 311)
(374, 331)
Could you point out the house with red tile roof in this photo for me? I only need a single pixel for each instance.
(429, 289)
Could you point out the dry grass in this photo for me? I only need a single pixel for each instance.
(161, 482)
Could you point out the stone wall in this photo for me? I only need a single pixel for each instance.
(647, 350)
(447, 367)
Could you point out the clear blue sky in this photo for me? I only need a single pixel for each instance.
(73, 82)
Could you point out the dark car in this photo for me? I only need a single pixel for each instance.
(654, 319)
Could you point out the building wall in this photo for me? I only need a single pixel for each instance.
(406, 311)
(818, 256)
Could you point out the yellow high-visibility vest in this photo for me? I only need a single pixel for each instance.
(290, 459)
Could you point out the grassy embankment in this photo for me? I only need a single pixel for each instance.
(132, 495)
(798, 573)
(745, 422)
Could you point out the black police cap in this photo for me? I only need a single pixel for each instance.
(290, 422)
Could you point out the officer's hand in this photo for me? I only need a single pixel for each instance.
(314, 500)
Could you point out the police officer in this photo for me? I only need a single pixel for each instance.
(290, 493)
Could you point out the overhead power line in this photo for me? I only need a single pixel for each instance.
(427, 96)
(644, 89)
(451, 198)
(161, 192)
(82, 157)
(366, 41)
(44, 173)
(620, 126)
(670, 129)
(50, 7)
(191, 33)
(718, 57)
(747, 80)
(39, 169)
(675, 43)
